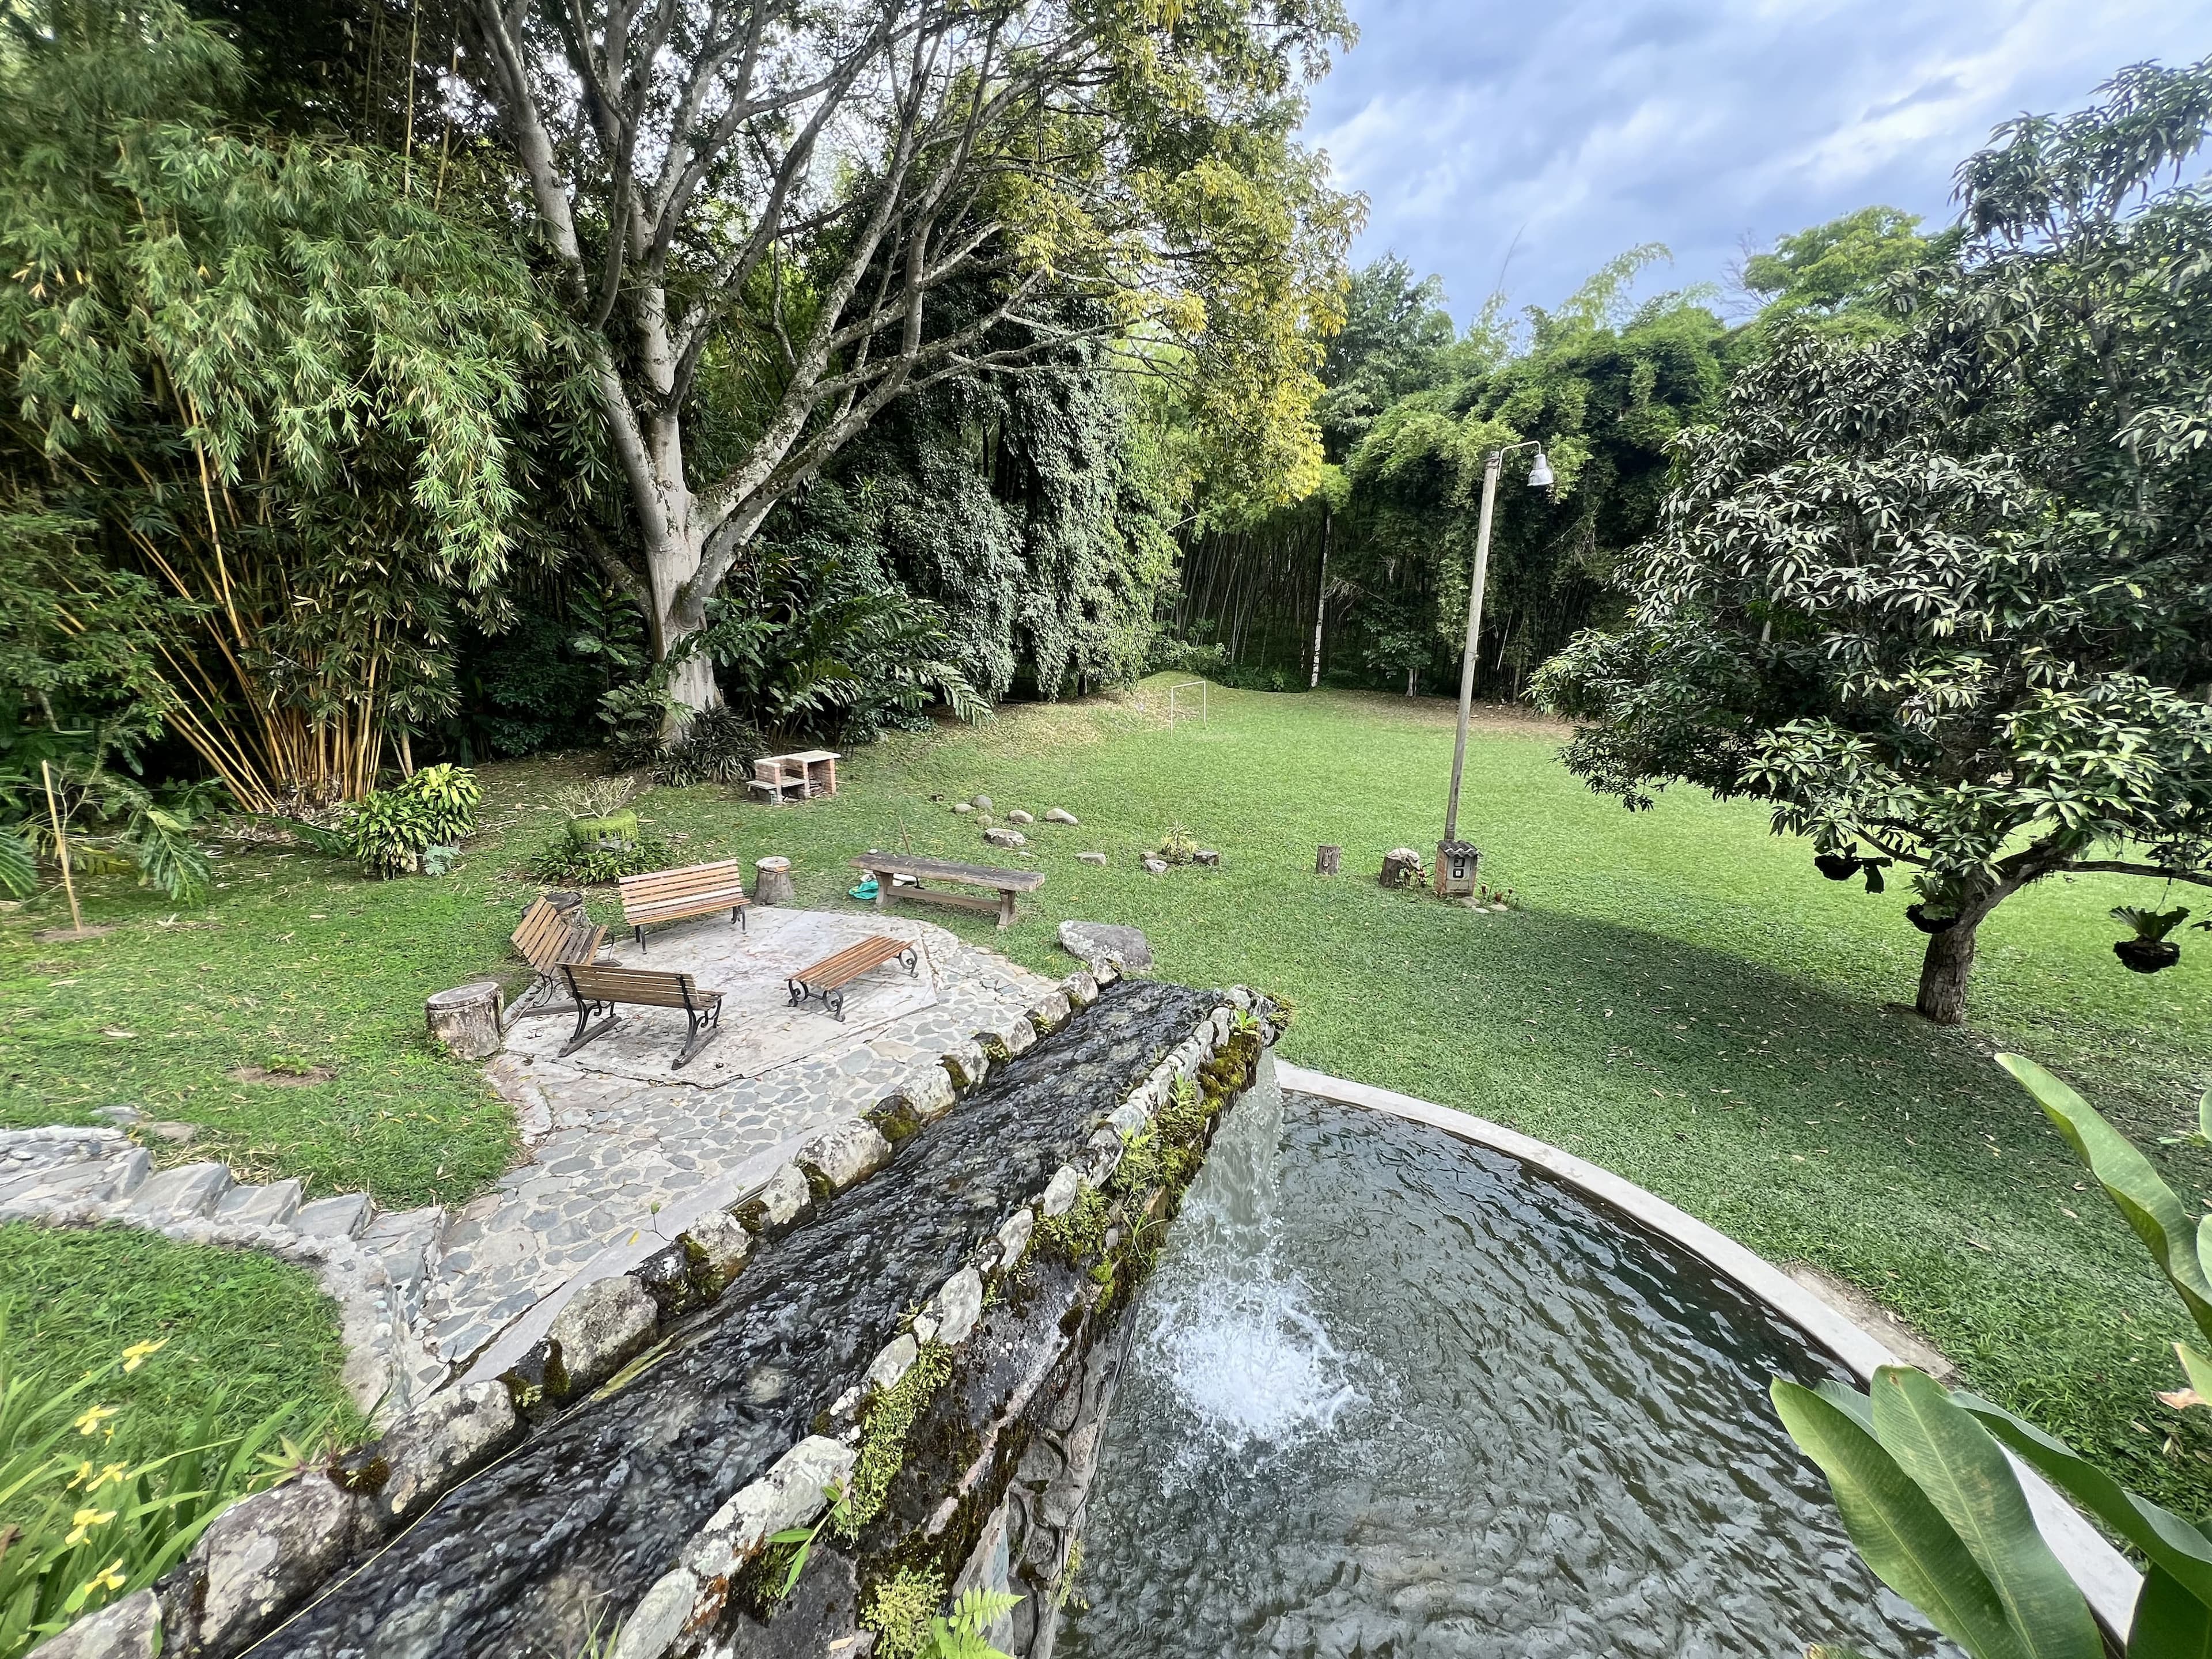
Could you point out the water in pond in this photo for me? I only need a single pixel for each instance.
(1390, 1395)
(569, 1530)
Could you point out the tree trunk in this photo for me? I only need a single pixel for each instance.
(1943, 973)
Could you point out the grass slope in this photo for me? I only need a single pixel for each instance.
(1680, 997)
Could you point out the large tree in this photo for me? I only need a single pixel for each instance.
(796, 185)
(1944, 598)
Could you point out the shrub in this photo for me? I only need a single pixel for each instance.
(568, 862)
(82, 1530)
(449, 798)
(714, 745)
(387, 833)
(1177, 846)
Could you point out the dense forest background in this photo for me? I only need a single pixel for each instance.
(303, 482)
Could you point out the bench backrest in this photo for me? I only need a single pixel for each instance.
(550, 934)
(650, 986)
(700, 886)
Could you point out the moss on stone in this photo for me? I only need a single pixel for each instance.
(900, 1611)
(890, 1418)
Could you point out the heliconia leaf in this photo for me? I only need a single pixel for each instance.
(1958, 1463)
(2198, 1370)
(2204, 1100)
(2178, 1546)
(1902, 1535)
(2170, 1622)
(2147, 1202)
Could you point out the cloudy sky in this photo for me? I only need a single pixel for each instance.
(1565, 133)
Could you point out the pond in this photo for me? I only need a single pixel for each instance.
(1392, 1394)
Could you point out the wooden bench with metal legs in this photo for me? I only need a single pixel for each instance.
(883, 865)
(829, 977)
(600, 990)
(697, 889)
(553, 933)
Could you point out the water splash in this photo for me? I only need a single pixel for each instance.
(1233, 1328)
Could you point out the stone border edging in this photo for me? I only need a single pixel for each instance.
(2103, 1575)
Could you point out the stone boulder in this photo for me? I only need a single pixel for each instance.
(1019, 817)
(454, 1432)
(129, 1629)
(1060, 815)
(606, 1323)
(259, 1558)
(1095, 942)
(1006, 838)
(1099, 859)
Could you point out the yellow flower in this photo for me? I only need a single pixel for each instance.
(111, 1579)
(135, 1355)
(114, 1471)
(93, 1417)
(83, 1474)
(84, 1520)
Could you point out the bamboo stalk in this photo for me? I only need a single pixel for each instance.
(61, 848)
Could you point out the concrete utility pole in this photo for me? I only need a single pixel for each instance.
(1540, 476)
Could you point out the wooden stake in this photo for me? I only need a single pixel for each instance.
(61, 848)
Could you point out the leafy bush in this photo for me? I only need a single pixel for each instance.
(568, 862)
(114, 825)
(714, 745)
(449, 798)
(82, 1530)
(633, 716)
(387, 832)
(1178, 846)
(599, 797)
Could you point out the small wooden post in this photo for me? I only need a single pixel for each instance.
(1328, 860)
(61, 848)
(772, 884)
(465, 1019)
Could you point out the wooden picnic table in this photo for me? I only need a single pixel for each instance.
(1007, 883)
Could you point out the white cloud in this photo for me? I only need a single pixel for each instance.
(1589, 126)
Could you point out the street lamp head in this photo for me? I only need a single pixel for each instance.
(1540, 476)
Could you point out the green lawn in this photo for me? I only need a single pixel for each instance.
(1679, 998)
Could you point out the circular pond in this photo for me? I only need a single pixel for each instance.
(1391, 1394)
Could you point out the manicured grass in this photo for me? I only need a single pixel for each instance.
(250, 1332)
(1680, 997)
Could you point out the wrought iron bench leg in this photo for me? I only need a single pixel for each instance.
(706, 1026)
(586, 1032)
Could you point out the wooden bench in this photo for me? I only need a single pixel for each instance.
(883, 865)
(554, 931)
(829, 977)
(697, 890)
(598, 989)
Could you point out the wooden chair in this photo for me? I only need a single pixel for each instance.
(553, 934)
(599, 989)
(697, 890)
(829, 977)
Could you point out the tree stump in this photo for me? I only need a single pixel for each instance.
(465, 1019)
(1402, 867)
(772, 882)
(1328, 860)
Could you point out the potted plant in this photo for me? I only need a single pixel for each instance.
(2149, 951)
(1918, 916)
(1839, 867)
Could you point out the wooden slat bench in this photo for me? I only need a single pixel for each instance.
(883, 865)
(551, 935)
(598, 989)
(829, 977)
(697, 889)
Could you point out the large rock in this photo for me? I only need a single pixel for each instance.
(261, 1555)
(843, 1154)
(790, 1494)
(657, 1621)
(716, 1248)
(1019, 817)
(1096, 942)
(451, 1434)
(783, 1201)
(1060, 815)
(129, 1629)
(958, 1306)
(1006, 838)
(604, 1324)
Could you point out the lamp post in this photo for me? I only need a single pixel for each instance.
(1449, 853)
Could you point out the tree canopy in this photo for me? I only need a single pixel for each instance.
(1944, 595)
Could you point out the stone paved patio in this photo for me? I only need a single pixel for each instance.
(619, 1138)
(622, 1149)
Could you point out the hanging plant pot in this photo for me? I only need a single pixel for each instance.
(2147, 956)
(1836, 866)
(1918, 916)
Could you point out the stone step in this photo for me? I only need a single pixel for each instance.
(178, 1194)
(343, 1217)
(403, 1240)
(35, 1196)
(272, 1205)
